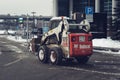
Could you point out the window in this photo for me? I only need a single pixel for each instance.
(54, 24)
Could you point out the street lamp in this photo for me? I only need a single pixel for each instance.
(27, 28)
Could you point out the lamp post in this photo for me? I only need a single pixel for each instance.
(27, 28)
(71, 8)
(97, 6)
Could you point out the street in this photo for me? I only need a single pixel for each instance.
(16, 63)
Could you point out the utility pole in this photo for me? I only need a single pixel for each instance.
(71, 8)
(27, 28)
(33, 19)
(97, 6)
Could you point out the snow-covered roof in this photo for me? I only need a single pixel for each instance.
(59, 18)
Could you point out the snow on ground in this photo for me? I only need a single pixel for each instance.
(9, 31)
(106, 43)
(96, 42)
(14, 48)
(16, 38)
(2, 31)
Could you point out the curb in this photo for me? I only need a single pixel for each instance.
(106, 48)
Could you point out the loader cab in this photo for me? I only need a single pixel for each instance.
(75, 28)
(54, 24)
(55, 21)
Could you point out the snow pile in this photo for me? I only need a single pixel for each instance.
(2, 31)
(106, 43)
(10, 37)
(9, 31)
(16, 38)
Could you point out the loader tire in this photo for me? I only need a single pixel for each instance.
(82, 60)
(43, 54)
(55, 56)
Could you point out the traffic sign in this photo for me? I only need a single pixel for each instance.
(89, 17)
(20, 20)
(89, 10)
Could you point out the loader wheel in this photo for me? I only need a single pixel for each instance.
(55, 56)
(43, 54)
(82, 60)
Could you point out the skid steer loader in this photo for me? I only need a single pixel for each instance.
(65, 39)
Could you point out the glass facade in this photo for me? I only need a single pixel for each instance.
(108, 7)
(78, 6)
(63, 7)
(84, 3)
(100, 8)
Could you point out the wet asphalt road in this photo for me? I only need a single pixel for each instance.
(16, 63)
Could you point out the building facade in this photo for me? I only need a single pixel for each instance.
(69, 7)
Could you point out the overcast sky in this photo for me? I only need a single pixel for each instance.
(18, 7)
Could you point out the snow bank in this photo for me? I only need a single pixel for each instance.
(106, 43)
(2, 31)
(9, 31)
(16, 38)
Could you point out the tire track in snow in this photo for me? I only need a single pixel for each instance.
(14, 48)
(3, 42)
(17, 50)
